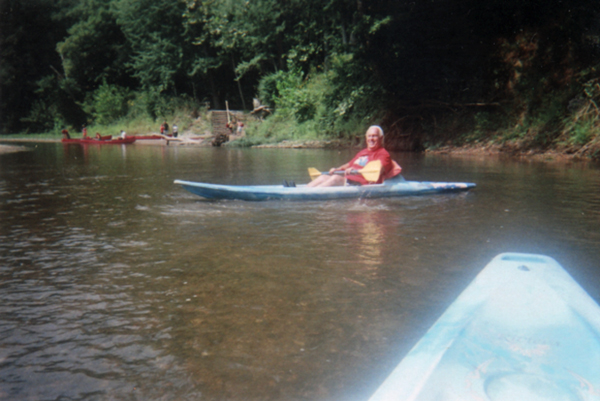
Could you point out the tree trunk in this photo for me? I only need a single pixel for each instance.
(237, 79)
(213, 90)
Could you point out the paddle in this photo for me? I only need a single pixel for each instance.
(371, 171)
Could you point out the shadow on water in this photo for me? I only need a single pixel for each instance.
(116, 284)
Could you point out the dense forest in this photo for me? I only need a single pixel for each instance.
(521, 73)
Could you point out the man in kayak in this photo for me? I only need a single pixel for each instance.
(374, 151)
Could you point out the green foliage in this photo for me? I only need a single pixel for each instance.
(327, 68)
(183, 111)
(95, 49)
(157, 64)
(28, 37)
(354, 90)
(44, 117)
(584, 130)
(277, 129)
(155, 32)
(582, 124)
(296, 98)
(108, 103)
(55, 106)
(335, 103)
(482, 126)
(267, 88)
(542, 123)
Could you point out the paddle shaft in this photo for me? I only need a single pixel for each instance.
(343, 172)
(370, 172)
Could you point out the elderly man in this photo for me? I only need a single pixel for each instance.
(374, 151)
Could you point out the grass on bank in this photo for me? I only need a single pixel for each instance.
(570, 127)
(197, 123)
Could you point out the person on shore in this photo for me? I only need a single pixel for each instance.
(166, 128)
(84, 131)
(230, 126)
(374, 151)
(175, 131)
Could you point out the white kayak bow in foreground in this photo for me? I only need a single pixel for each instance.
(523, 330)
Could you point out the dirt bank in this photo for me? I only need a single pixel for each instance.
(516, 153)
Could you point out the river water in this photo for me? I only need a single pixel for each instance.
(116, 284)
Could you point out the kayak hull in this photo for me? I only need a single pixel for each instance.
(118, 141)
(391, 188)
(522, 330)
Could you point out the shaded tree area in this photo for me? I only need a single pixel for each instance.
(493, 64)
(28, 37)
(425, 69)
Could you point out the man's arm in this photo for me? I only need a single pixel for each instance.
(345, 167)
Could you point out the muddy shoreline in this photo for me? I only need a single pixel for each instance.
(566, 155)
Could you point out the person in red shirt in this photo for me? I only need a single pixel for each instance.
(374, 151)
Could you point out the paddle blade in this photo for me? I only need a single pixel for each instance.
(313, 172)
(372, 171)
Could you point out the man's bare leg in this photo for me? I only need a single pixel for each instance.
(328, 181)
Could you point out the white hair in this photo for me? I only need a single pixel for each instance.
(378, 128)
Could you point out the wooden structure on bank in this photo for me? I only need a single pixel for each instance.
(224, 124)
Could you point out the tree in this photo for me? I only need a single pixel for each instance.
(28, 36)
(217, 29)
(154, 30)
(95, 49)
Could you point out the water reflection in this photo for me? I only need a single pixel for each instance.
(116, 284)
(369, 224)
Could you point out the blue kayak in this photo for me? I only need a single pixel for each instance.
(522, 330)
(393, 187)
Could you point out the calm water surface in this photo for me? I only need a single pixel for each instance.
(116, 284)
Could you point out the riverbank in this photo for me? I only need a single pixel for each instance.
(589, 153)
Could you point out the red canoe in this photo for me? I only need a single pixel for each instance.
(118, 141)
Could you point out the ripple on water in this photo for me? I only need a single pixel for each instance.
(124, 286)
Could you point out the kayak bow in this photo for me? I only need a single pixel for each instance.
(522, 330)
